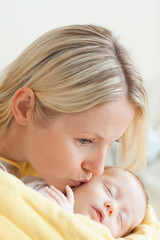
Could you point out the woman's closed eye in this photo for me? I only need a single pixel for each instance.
(84, 141)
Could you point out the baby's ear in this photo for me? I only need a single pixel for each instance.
(23, 103)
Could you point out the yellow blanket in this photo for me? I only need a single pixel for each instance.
(25, 214)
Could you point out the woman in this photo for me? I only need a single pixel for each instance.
(65, 100)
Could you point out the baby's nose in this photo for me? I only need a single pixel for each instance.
(110, 207)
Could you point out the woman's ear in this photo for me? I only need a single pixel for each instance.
(23, 103)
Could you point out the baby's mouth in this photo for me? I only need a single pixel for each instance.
(99, 214)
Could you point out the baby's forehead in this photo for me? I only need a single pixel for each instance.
(123, 178)
(114, 170)
(119, 174)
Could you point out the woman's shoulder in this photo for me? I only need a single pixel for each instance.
(18, 169)
(10, 167)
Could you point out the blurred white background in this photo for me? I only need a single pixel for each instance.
(135, 22)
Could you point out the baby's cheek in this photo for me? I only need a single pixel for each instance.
(113, 226)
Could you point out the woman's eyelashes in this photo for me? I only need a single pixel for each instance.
(84, 141)
(88, 141)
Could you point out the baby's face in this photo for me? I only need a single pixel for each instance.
(114, 199)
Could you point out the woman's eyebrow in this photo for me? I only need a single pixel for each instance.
(102, 138)
(95, 135)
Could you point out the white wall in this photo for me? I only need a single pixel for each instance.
(136, 22)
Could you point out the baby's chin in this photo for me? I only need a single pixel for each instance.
(117, 234)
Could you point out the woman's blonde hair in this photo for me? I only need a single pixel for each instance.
(72, 69)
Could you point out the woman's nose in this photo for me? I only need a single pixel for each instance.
(110, 207)
(95, 163)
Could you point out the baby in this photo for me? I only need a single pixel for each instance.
(116, 199)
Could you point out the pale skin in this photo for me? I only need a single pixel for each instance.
(115, 199)
(72, 147)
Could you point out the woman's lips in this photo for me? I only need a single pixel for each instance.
(98, 214)
(76, 183)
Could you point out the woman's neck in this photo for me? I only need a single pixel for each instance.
(11, 144)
